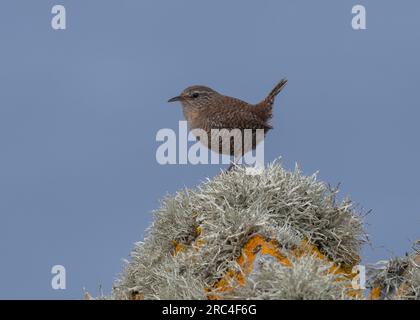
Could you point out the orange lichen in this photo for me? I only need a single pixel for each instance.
(345, 270)
(197, 242)
(257, 244)
(177, 247)
(375, 293)
(137, 296)
(309, 249)
(254, 246)
(197, 232)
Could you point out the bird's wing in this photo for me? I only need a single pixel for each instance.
(237, 117)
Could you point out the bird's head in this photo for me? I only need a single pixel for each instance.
(196, 97)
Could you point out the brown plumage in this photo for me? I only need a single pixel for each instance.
(207, 109)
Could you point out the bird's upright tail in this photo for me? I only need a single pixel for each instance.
(264, 108)
(276, 90)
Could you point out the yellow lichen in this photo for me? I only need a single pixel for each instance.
(375, 293)
(196, 243)
(177, 247)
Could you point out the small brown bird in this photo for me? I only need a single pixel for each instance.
(206, 109)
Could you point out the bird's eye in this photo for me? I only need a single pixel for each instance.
(195, 95)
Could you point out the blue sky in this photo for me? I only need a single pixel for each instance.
(80, 109)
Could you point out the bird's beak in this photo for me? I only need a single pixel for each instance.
(175, 99)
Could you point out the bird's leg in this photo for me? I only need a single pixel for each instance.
(234, 163)
(231, 166)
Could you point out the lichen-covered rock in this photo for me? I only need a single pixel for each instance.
(398, 278)
(198, 239)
